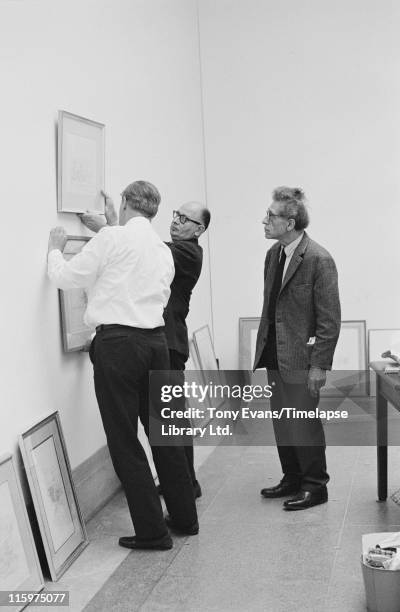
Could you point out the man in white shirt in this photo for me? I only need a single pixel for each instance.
(127, 271)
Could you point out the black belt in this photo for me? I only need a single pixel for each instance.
(105, 326)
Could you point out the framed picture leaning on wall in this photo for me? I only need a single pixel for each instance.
(194, 374)
(50, 481)
(248, 328)
(73, 302)
(80, 168)
(19, 563)
(349, 375)
(204, 349)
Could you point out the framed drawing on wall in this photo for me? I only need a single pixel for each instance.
(50, 481)
(19, 564)
(73, 302)
(80, 168)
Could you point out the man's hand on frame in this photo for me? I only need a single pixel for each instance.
(93, 221)
(109, 209)
(316, 380)
(57, 239)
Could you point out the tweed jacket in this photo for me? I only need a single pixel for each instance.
(307, 315)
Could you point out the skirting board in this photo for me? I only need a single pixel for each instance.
(95, 482)
(95, 479)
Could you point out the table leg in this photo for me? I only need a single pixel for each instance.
(381, 442)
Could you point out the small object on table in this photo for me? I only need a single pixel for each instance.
(390, 355)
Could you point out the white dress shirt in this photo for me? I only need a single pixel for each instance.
(126, 270)
(289, 250)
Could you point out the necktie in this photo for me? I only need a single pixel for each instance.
(276, 287)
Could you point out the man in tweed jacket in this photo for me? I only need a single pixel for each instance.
(299, 329)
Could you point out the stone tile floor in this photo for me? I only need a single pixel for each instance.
(250, 555)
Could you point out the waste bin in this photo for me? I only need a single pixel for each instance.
(382, 588)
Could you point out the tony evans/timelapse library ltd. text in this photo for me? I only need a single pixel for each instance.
(208, 392)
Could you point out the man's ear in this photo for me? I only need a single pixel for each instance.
(200, 230)
(292, 223)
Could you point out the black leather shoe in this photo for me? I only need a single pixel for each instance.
(164, 543)
(306, 499)
(188, 530)
(280, 490)
(196, 490)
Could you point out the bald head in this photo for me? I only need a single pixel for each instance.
(191, 221)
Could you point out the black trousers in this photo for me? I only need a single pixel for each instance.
(177, 362)
(122, 357)
(300, 441)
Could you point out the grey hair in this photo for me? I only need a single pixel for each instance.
(144, 197)
(293, 200)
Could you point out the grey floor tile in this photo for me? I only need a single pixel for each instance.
(226, 551)
(238, 593)
(249, 554)
(129, 586)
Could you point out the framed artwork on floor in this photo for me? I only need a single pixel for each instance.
(73, 302)
(248, 328)
(350, 356)
(204, 349)
(53, 493)
(19, 563)
(80, 168)
(193, 373)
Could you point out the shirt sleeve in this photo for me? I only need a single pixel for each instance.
(81, 270)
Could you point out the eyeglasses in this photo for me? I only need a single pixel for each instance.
(269, 214)
(183, 218)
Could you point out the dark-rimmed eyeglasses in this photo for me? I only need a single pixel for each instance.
(183, 218)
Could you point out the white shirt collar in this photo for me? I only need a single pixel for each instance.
(138, 218)
(290, 248)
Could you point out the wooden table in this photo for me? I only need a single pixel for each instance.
(387, 390)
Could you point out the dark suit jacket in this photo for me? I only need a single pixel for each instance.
(307, 306)
(188, 259)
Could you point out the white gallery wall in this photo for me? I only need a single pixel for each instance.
(303, 92)
(296, 92)
(133, 65)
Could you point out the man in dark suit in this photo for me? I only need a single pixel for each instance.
(189, 222)
(299, 329)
